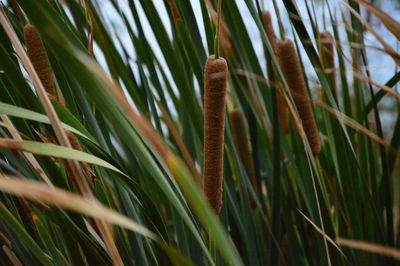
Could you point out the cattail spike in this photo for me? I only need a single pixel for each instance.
(38, 56)
(215, 76)
(294, 77)
(241, 140)
(280, 99)
(283, 258)
(174, 11)
(326, 52)
(16, 8)
(269, 30)
(282, 108)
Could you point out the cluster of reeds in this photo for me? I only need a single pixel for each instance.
(175, 173)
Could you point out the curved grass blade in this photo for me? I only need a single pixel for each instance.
(20, 112)
(56, 151)
(40, 192)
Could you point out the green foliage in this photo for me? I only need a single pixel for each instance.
(300, 205)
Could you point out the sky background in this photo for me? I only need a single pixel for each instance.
(381, 65)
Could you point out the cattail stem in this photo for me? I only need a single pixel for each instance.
(326, 52)
(216, 45)
(294, 77)
(224, 42)
(241, 140)
(40, 61)
(215, 76)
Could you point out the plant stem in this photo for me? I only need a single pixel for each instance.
(216, 46)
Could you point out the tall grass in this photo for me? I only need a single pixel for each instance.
(115, 147)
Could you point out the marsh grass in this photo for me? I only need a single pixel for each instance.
(113, 171)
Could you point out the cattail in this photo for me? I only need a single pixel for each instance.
(215, 76)
(174, 11)
(283, 258)
(282, 108)
(241, 140)
(294, 77)
(16, 8)
(38, 56)
(280, 99)
(326, 52)
(269, 30)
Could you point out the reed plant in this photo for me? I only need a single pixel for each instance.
(145, 132)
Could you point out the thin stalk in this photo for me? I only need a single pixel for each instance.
(276, 192)
(216, 45)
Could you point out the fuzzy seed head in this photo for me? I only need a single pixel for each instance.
(241, 140)
(38, 56)
(174, 10)
(215, 76)
(294, 77)
(16, 8)
(326, 51)
(282, 108)
(280, 99)
(327, 56)
(269, 29)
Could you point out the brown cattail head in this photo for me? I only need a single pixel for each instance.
(174, 11)
(38, 56)
(282, 108)
(280, 99)
(283, 258)
(327, 53)
(16, 8)
(325, 45)
(269, 30)
(215, 76)
(241, 140)
(294, 77)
